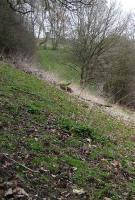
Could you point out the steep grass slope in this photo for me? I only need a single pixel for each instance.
(54, 147)
(63, 68)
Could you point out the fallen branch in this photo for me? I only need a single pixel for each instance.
(103, 105)
(11, 159)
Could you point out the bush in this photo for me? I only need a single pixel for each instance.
(120, 81)
(14, 35)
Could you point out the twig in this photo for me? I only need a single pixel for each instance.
(7, 156)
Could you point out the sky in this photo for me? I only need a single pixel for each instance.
(128, 5)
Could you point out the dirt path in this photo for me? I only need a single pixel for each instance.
(92, 99)
(113, 110)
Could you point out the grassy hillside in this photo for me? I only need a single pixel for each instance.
(60, 62)
(61, 148)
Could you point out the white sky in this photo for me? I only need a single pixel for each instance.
(128, 5)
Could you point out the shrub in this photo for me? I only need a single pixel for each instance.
(120, 81)
(15, 37)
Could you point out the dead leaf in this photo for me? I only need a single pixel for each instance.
(36, 139)
(88, 140)
(9, 192)
(54, 176)
(132, 138)
(20, 192)
(74, 168)
(17, 192)
(116, 164)
(78, 191)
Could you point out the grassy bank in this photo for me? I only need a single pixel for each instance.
(59, 62)
(70, 147)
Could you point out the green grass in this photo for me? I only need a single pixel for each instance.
(49, 131)
(59, 62)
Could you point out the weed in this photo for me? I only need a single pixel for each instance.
(82, 130)
(35, 145)
(49, 162)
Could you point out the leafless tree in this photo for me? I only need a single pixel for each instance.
(25, 6)
(131, 27)
(96, 26)
(57, 20)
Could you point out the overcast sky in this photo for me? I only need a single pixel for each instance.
(128, 5)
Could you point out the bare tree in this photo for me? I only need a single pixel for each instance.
(57, 20)
(120, 72)
(25, 6)
(131, 27)
(95, 25)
